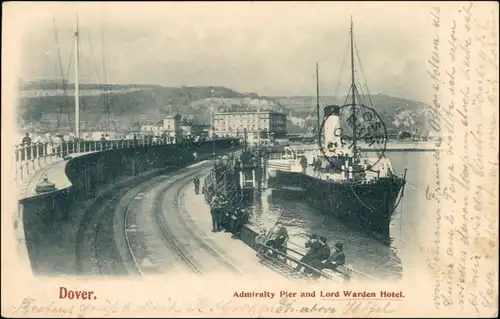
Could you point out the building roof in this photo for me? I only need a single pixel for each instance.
(250, 112)
(170, 117)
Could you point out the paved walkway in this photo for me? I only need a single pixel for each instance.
(238, 253)
(55, 172)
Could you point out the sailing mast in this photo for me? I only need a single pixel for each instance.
(107, 117)
(61, 70)
(317, 103)
(77, 88)
(353, 92)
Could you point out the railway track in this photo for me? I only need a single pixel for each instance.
(95, 251)
(186, 230)
(98, 253)
(178, 234)
(167, 233)
(130, 221)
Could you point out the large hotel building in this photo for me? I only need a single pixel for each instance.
(267, 123)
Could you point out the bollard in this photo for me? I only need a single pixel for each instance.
(45, 186)
(38, 154)
(15, 163)
(25, 152)
(21, 171)
(45, 152)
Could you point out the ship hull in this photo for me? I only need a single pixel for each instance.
(365, 206)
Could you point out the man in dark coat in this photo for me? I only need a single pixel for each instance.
(26, 140)
(216, 207)
(337, 258)
(241, 219)
(135, 140)
(197, 185)
(281, 236)
(278, 242)
(303, 163)
(221, 216)
(322, 254)
(313, 244)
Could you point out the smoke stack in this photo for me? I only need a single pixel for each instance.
(331, 127)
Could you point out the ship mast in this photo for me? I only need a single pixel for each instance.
(317, 103)
(353, 92)
(77, 88)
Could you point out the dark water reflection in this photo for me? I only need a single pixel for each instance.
(363, 252)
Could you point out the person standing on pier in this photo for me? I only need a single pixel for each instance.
(217, 209)
(241, 219)
(26, 140)
(303, 163)
(197, 185)
(134, 140)
(223, 213)
(233, 220)
(317, 165)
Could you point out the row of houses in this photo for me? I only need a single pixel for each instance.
(257, 125)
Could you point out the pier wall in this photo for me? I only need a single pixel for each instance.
(56, 216)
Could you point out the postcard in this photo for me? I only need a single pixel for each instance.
(250, 159)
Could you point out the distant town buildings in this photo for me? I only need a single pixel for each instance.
(172, 125)
(152, 129)
(262, 124)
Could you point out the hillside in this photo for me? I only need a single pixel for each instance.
(39, 103)
(396, 113)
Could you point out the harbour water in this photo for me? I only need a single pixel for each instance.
(362, 252)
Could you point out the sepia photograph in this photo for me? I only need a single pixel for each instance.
(250, 159)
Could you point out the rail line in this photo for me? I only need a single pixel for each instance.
(165, 227)
(149, 185)
(196, 233)
(143, 188)
(167, 233)
(96, 252)
(189, 227)
(88, 252)
(90, 228)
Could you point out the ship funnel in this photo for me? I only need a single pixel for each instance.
(331, 110)
(332, 130)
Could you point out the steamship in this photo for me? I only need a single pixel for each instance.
(358, 190)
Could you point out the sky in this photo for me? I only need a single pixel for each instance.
(263, 47)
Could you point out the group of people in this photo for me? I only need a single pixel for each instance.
(319, 256)
(225, 217)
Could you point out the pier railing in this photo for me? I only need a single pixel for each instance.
(348, 269)
(289, 259)
(29, 158)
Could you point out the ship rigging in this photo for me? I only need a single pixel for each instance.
(360, 191)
